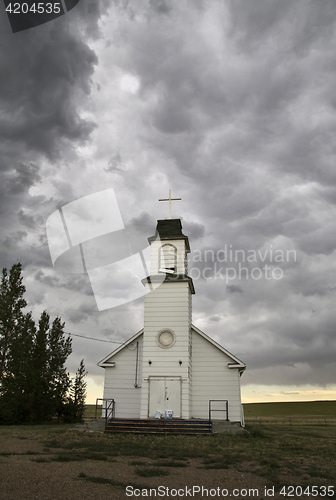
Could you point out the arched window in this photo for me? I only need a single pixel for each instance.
(167, 259)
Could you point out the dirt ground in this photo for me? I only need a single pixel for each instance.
(22, 477)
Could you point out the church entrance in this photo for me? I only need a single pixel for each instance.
(164, 394)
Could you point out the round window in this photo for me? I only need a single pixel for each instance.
(165, 338)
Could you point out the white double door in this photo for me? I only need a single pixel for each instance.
(164, 394)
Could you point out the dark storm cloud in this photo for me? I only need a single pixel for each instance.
(256, 22)
(29, 221)
(46, 73)
(76, 282)
(11, 241)
(82, 313)
(21, 178)
(252, 89)
(160, 6)
(235, 107)
(237, 99)
(39, 106)
(46, 77)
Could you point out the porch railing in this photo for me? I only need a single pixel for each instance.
(108, 408)
(242, 416)
(225, 407)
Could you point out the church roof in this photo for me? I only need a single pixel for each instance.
(172, 278)
(170, 229)
(236, 363)
(106, 361)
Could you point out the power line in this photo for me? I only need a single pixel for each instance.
(91, 338)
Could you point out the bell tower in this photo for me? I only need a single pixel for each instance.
(167, 367)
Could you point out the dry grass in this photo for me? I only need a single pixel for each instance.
(271, 455)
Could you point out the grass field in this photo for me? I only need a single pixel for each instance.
(290, 409)
(272, 455)
(90, 411)
(279, 456)
(310, 412)
(275, 452)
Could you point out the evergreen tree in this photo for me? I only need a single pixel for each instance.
(59, 349)
(78, 393)
(40, 400)
(50, 352)
(17, 388)
(11, 315)
(34, 383)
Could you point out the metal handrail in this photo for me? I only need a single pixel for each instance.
(242, 415)
(109, 408)
(219, 409)
(109, 411)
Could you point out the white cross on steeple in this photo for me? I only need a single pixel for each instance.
(170, 199)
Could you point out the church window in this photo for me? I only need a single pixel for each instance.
(167, 259)
(165, 338)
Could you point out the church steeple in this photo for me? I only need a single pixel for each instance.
(166, 368)
(169, 253)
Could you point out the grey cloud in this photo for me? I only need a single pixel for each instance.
(243, 109)
(160, 6)
(234, 289)
(46, 77)
(47, 280)
(35, 297)
(65, 192)
(81, 313)
(258, 22)
(300, 374)
(76, 283)
(328, 193)
(11, 241)
(217, 319)
(40, 113)
(236, 108)
(22, 178)
(29, 221)
(115, 164)
(194, 230)
(170, 118)
(139, 228)
(320, 241)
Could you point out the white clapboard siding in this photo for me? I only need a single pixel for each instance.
(167, 307)
(120, 381)
(213, 379)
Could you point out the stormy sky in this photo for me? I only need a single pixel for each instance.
(232, 105)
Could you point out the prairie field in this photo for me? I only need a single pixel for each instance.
(292, 413)
(54, 462)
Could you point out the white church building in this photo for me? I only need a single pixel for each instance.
(171, 365)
